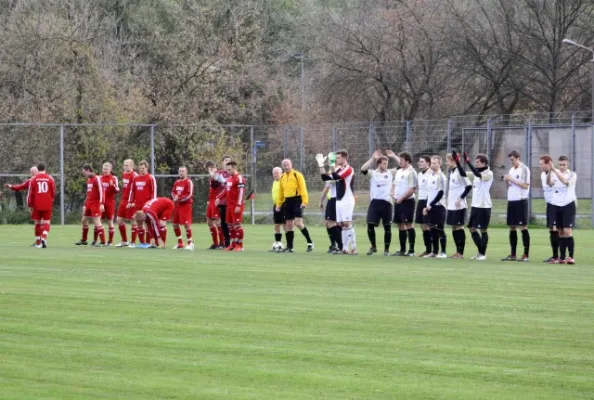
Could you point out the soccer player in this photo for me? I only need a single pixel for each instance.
(183, 198)
(422, 178)
(277, 216)
(563, 181)
(518, 187)
(332, 228)
(403, 193)
(235, 206)
(216, 186)
(459, 187)
(544, 164)
(380, 208)
(480, 213)
(155, 213)
(126, 213)
(293, 198)
(144, 188)
(110, 187)
(345, 198)
(93, 208)
(40, 199)
(223, 202)
(435, 210)
(25, 186)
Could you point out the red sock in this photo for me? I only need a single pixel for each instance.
(140, 235)
(239, 235)
(111, 232)
(177, 231)
(123, 233)
(95, 234)
(221, 235)
(215, 235)
(189, 234)
(232, 234)
(37, 229)
(147, 236)
(85, 233)
(101, 232)
(134, 233)
(45, 230)
(163, 233)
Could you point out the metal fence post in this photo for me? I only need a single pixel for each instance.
(371, 138)
(285, 138)
(529, 165)
(573, 149)
(489, 139)
(153, 149)
(408, 139)
(334, 138)
(302, 149)
(62, 185)
(254, 161)
(449, 135)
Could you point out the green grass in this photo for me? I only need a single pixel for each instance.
(87, 323)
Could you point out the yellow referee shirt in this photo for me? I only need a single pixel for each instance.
(275, 191)
(292, 184)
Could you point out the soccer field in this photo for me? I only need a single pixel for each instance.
(86, 323)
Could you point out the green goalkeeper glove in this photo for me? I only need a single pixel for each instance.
(332, 159)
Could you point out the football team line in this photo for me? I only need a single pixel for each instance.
(400, 196)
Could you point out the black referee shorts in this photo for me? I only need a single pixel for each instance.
(379, 210)
(277, 216)
(291, 208)
(479, 218)
(517, 213)
(565, 215)
(419, 217)
(330, 212)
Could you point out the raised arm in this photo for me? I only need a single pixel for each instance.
(392, 156)
(473, 169)
(456, 157)
(371, 162)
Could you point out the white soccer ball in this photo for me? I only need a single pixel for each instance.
(278, 247)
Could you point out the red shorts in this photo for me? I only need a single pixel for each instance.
(93, 210)
(182, 214)
(212, 210)
(126, 213)
(231, 217)
(38, 215)
(109, 212)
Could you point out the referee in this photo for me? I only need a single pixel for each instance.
(292, 199)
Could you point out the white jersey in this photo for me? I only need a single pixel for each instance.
(436, 181)
(564, 194)
(481, 187)
(546, 189)
(380, 185)
(332, 186)
(422, 178)
(457, 185)
(515, 192)
(406, 178)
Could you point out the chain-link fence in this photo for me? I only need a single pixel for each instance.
(258, 149)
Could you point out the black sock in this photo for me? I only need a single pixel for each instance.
(476, 238)
(554, 239)
(435, 241)
(290, 236)
(371, 235)
(387, 237)
(305, 233)
(331, 236)
(412, 235)
(278, 237)
(513, 242)
(338, 236)
(225, 228)
(402, 237)
(526, 241)
(443, 240)
(460, 240)
(563, 247)
(570, 246)
(484, 242)
(427, 240)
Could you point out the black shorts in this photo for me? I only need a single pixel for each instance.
(436, 217)
(291, 208)
(223, 212)
(379, 210)
(404, 212)
(277, 216)
(419, 217)
(517, 213)
(479, 218)
(565, 216)
(330, 212)
(456, 217)
(551, 215)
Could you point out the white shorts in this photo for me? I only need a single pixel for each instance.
(344, 210)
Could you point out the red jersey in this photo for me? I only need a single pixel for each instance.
(95, 193)
(158, 206)
(235, 190)
(144, 188)
(22, 187)
(224, 175)
(42, 192)
(127, 178)
(184, 190)
(110, 187)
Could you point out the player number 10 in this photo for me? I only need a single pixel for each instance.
(42, 187)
